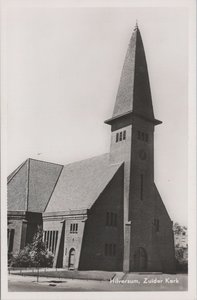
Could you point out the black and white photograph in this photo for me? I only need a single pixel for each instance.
(98, 152)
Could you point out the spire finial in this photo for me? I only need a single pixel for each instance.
(136, 24)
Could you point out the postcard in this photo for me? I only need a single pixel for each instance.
(98, 150)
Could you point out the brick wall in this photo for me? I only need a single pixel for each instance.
(24, 225)
(97, 234)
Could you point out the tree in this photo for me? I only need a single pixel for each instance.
(178, 229)
(181, 250)
(34, 254)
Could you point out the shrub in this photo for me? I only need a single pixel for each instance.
(34, 254)
(22, 259)
(181, 259)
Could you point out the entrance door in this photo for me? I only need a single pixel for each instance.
(140, 260)
(71, 263)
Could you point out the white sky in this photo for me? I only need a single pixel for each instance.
(63, 71)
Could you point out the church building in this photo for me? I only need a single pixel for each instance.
(102, 213)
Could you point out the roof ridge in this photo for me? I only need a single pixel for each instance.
(117, 163)
(16, 171)
(53, 188)
(92, 157)
(48, 162)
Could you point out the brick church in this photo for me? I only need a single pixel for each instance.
(102, 213)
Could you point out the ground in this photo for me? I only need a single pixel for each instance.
(129, 282)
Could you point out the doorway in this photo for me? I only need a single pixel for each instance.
(140, 260)
(71, 260)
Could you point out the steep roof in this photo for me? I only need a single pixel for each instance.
(134, 94)
(31, 185)
(81, 183)
(38, 185)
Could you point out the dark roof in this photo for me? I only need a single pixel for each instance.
(81, 183)
(31, 185)
(134, 93)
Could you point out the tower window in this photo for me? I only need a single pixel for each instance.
(111, 219)
(142, 136)
(141, 186)
(121, 136)
(124, 135)
(107, 219)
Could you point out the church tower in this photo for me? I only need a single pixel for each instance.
(132, 141)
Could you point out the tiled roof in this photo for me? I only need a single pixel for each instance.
(81, 183)
(31, 185)
(17, 188)
(36, 185)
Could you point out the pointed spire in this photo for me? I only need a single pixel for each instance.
(134, 94)
(136, 25)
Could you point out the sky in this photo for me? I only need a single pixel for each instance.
(62, 74)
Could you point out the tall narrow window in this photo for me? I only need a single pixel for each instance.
(50, 240)
(110, 249)
(114, 249)
(157, 225)
(124, 135)
(107, 219)
(115, 219)
(47, 239)
(56, 237)
(112, 219)
(106, 249)
(44, 236)
(121, 136)
(10, 240)
(146, 137)
(141, 186)
(117, 134)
